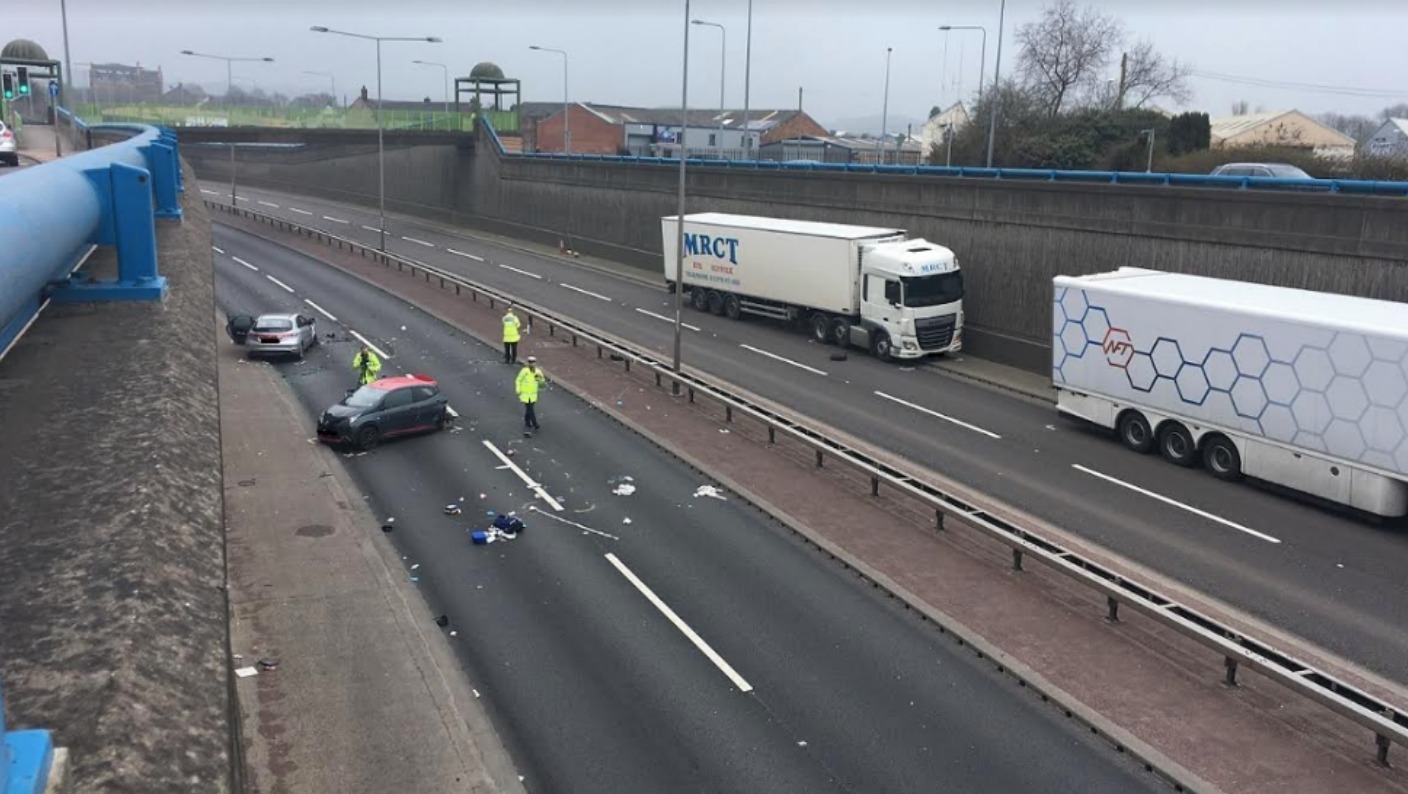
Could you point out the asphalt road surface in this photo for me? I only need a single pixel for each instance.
(646, 638)
(1329, 578)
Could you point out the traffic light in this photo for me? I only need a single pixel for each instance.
(9, 85)
(24, 81)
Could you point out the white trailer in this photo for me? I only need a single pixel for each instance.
(1301, 389)
(870, 287)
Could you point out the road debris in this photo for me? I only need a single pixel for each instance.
(246, 672)
(709, 491)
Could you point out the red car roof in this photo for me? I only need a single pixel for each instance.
(402, 381)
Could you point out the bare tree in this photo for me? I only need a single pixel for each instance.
(1148, 75)
(1399, 111)
(1066, 51)
(1357, 127)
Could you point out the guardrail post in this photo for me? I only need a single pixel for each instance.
(1231, 664)
(164, 167)
(938, 520)
(772, 434)
(1016, 559)
(1382, 755)
(874, 485)
(26, 758)
(131, 227)
(818, 458)
(1113, 615)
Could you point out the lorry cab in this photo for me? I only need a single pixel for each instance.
(911, 299)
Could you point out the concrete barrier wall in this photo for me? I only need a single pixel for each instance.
(1011, 237)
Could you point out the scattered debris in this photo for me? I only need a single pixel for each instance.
(801, 743)
(723, 430)
(387, 527)
(838, 356)
(625, 520)
(413, 567)
(246, 672)
(624, 489)
(582, 527)
(268, 664)
(453, 509)
(442, 621)
(454, 634)
(710, 491)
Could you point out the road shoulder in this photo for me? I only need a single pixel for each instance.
(367, 695)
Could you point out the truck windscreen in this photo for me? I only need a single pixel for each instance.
(933, 290)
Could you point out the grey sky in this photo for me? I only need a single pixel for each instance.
(628, 51)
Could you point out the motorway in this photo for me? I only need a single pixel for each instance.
(647, 638)
(1329, 578)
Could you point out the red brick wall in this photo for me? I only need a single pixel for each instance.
(590, 134)
(800, 124)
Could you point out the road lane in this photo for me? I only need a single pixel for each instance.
(593, 685)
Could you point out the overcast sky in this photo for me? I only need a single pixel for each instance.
(629, 51)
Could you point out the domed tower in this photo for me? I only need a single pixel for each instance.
(487, 79)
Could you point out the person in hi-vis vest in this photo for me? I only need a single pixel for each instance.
(526, 384)
(510, 337)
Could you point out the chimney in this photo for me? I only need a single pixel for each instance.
(799, 99)
(364, 94)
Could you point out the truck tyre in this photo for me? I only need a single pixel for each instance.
(699, 299)
(1176, 445)
(733, 307)
(880, 347)
(1135, 432)
(821, 328)
(1221, 459)
(716, 302)
(841, 331)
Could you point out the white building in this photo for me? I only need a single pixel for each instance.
(950, 121)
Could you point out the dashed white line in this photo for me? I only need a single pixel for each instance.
(285, 287)
(269, 204)
(669, 320)
(588, 293)
(684, 628)
(937, 415)
(371, 228)
(521, 272)
(783, 360)
(217, 249)
(369, 344)
(418, 242)
(208, 192)
(1195, 511)
(246, 264)
(325, 312)
(522, 475)
(241, 198)
(466, 256)
(334, 220)
(297, 210)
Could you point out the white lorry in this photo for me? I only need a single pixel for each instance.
(874, 288)
(1302, 389)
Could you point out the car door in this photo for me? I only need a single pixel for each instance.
(238, 327)
(428, 405)
(306, 331)
(398, 412)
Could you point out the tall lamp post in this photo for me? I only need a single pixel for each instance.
(723, 60)
(983, 58)
(566, 117)
(679, 228)
(67, 82)
(996, 81)
(229, 81)
(444, 69)
(885, 111)
(748, 78)
(332, 84)
(380, 129)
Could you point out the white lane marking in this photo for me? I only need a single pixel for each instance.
(938, 415)
(241, 198)
(269, 204)
(586, 292)
(369, 344)
(582, 527)
(325, 312)
(669, 320)
(300, 212)
(286, 287)
(522, 272)
(217, 249)
(210, 192)
(246, 264)
(1195, 511)
(783, 360)
(684, 628)
(418, 242)
(522, 475)
(371, 228)
(334, 220)
(466, 256)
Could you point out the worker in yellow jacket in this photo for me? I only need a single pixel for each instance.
(367, 365)
(511, 337)
(529, 379)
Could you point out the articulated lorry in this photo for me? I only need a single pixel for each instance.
(874, 288)
(1302, 389)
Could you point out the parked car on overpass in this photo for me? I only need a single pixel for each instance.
(9, 146)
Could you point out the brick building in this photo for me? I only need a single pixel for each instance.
(612, 130)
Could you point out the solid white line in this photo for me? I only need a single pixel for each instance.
(325, 312)
(466, 256)
(522, 272)
(368, 343)
(371, 228)
(334, 220)
(246, 264)
(522, 475)
(286, 287)
(783, 360)
(299, 211)
(211, 192)
(585, 292)
(217, 249)
(418, 242)
(241, 198)
(684, 628)
(936, 414)
(669, 320)
(1195, 511)
(269, 204)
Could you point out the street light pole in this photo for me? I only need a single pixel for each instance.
(380, 128)
(446, 70)
(723, 60)
(996, 81)
(679, 227)
(67, 82)
(885, 112)
(229, 81)
(748, 79)
(566, 115)
(983, 57)
(1150, 166)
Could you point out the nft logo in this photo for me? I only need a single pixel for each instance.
(1118, 347)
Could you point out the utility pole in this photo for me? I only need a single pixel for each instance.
(996, 81)
(1124, 75)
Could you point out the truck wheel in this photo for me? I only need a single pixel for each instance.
(1135, 432)
(716, 302)
(1221, 459)
(733, 307)
(1176, 445)
(880, 348)
(821, 328)
(841, 331)
(699, 299)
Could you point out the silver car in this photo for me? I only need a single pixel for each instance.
(282, 334)
(9, 147)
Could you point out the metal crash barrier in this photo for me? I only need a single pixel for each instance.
(53, 215)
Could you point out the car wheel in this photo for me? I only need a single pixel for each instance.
(1135, 432)
(699, 299)
(368, 437)
(1176, 445)
(733, 307)
(821, 328)
(1221, 459)
(881, 347)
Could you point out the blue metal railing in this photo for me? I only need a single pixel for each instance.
(51, 215)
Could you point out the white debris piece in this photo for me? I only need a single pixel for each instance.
(624, 489)
(710, 491)
(246, 672)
